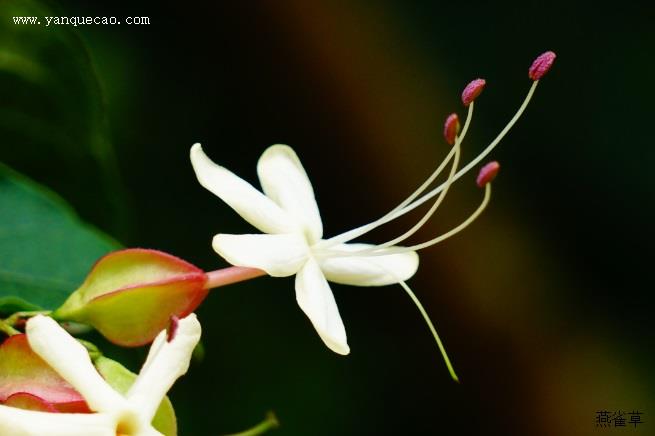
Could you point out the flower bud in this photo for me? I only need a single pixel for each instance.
(487, 173)
(451, 128)
(541, 65)
(130, 295)
(28, 382)
(472, 90)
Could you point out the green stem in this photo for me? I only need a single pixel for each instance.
(8, 329)
(27, 314)
(269, 423)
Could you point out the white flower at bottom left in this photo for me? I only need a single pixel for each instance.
(113, 414)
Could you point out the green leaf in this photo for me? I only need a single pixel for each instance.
(11, 304)
(53, 117)
(45, 250)
(121, 379)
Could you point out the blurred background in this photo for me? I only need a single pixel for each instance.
(544, 304)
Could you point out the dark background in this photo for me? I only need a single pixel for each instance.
(545, 303)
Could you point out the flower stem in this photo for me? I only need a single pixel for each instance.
(7, 329)
(28, 314)
(269, 423)
(232, 274)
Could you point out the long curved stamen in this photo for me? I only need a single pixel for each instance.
(393, 214)
(395, 250)
(359, 231)
(477, 160)
(459, 228)
(455, 148)
(425, 217)
(420, 308)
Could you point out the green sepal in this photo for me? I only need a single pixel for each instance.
(121, 379)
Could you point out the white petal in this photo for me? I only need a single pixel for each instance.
(166, 362)
(315, 298)
(368, 270)
(278, 255)
(19, 422)
(71, 361)
(252, 205)
(285, 181)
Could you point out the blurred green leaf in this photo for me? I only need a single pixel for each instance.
(45, 250)
(53, 118)
(12, 304)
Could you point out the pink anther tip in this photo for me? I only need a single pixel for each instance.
(171, 330)
(451, 128)
(487, 173)
(472, 91)
(541, 65)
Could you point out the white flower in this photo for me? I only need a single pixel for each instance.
(114, 413)
(292, 241)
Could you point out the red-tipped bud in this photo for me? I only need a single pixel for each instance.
(130, 295)
(451, 128)
(541, 65)
(472, 91)
(487, 173)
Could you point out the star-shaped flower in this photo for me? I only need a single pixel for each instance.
(291, 242)
(114, 414)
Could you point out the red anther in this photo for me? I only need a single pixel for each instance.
(451, 128)
(472, 91)
(487, 173)
(541, 65)
(171, 330)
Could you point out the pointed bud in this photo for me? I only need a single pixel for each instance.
(487, 173)
(130, 295)
(472, 90)
(451, 128)
(541, 65)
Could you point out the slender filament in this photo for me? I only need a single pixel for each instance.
(421, 309)
(477, 160)
(391, 215)
(429, 213)
(409, 206)
(396, 250)
(451, 232)
(416, 226)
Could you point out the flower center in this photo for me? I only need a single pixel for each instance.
(128, 424)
